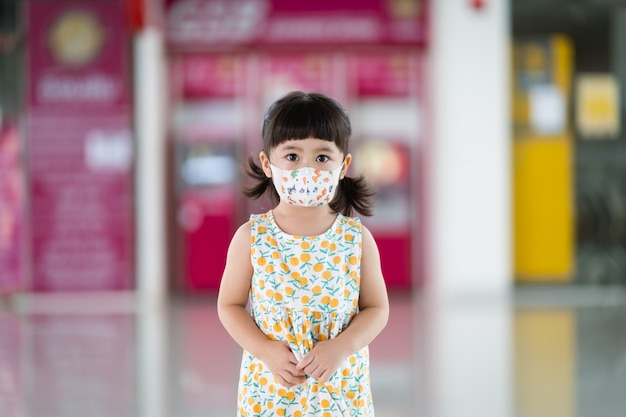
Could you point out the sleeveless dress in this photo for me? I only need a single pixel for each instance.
(305, 289)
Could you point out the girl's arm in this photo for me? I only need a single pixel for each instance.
(322, 361)
(231, 307)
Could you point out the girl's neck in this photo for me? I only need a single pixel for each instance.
(303, 221)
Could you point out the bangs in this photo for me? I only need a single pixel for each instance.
(304, 116)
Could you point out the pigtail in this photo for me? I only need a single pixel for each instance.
(353, 194)
(256, 173)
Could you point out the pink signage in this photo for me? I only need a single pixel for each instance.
(12, 209)
(80, 146)
(77, 54)
(219, 24)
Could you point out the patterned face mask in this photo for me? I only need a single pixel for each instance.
(306, 187)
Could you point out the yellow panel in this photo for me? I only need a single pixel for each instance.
(543, 209)
(562, 66)
(545, 358)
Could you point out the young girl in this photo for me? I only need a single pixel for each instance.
(311, 272)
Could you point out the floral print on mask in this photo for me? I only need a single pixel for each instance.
(307, 187)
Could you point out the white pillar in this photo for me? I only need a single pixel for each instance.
(150, 94)
(469, 272)
(469, 189)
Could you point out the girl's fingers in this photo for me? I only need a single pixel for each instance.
(293, 370)
(312, 370)
(292, 380)
(324, 377)
(306, 360)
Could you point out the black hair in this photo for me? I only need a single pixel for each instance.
(299, 115)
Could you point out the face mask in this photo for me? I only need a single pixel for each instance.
(306, 187)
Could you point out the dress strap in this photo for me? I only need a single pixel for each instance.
(259, 223)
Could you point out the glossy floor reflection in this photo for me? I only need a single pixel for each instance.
(551, 352)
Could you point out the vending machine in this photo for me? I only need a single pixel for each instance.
(386, 106)
(543, 160)
(207, 131)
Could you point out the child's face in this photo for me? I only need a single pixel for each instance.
(310, 152)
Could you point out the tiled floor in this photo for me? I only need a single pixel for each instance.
(548, 352)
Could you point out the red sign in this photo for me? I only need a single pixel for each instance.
(220, 24)
(80, 153)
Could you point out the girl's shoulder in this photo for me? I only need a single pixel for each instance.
(240, 242)
(243, 230)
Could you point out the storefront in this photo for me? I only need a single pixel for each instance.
(154, 183)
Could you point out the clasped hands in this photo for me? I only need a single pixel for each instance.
(321, 362)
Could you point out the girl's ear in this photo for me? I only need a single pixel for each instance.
(265, 164)
(346, 163)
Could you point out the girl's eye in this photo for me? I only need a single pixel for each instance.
(323, 158)
(292, 157)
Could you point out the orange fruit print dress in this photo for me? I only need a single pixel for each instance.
(305, 289)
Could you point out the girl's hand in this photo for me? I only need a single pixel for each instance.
(282, 364)
(323, 360)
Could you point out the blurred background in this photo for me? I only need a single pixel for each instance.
(492, 130)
